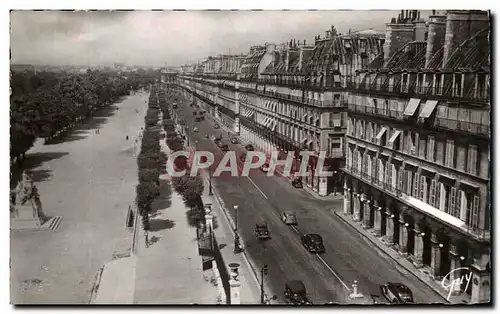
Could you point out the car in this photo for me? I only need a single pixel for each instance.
(216, 126)
(234, 140)
(206, 135)
(396, 292)
(265, 167)
(262, 231)
(297, 183)
(249, 147)
(174, 106)
(313, 243)
(295, 293)
(195, 129)
(289, 218)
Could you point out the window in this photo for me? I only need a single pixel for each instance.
(472, 159)
(400, 176)
(430, 148)
(475, 212)
(416, 185)
(450, 154)
(432, 196)
(388, 174)
(423, 189)
(439, 188)
(413, 143)
(456, 203)
(381, 171)
(359, 160)
(368, 165)
(374, 167)
(334, 120)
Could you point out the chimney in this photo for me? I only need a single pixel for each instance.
(396, 36)
(304, 42)
(287, 59)
(327, 34)
(460, 26)
(419, 28)
(435, 36)
(304, 54)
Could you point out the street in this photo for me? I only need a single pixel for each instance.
(328, 277)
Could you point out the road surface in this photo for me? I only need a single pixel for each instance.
(328, 277)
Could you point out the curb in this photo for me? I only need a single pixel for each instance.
(377, 247)
(97, 282)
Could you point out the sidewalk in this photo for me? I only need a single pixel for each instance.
(170, 270)
(422, 274)
(224, 232)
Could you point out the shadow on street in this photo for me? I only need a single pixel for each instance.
(31, 162)
(161, 224)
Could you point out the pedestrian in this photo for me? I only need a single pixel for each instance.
(146, 239)
(126, 138)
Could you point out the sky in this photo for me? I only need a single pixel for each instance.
(168, 38)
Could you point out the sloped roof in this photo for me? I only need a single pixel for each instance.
(410, 56)
(342, 46)
(473, 53)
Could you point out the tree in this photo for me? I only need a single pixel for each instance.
(149, 175)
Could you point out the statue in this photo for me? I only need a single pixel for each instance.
(26, 196)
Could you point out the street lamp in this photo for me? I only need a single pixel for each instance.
(187, 135)
(235, 207)
(263, 272)
(210, 180)
(237, 245)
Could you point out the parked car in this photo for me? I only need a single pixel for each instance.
(289, 218)
(234, 140)
(195, 129)
(297, 183)
(174, 106)
(262, 231)
(295, 293)
(216, 126)
(249, 147)
(397, 293)
(265, 167)
(313, 243)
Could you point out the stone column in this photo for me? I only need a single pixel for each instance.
(455, 263)
(389, 233)
(366, 213)
(377, 219)
(347, 199)
(418, 246)
(234, 284)
(357, 206)
(436, 256)
(481, 286)
(403, 235)
(235, 291)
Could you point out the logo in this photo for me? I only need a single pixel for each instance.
(241, 165)
(457, 282)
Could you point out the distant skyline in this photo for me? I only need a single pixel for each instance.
(171, 38)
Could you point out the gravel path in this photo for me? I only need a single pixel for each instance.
(89, 180)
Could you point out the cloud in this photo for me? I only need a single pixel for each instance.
(172, 37)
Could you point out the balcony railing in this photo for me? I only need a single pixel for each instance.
(399, 89)
(378, 111)
(470, 127)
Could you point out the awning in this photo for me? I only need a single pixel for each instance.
(429, 107)
(411, 107)
(361, 146)
(394, 137)
(384, 155)
(397, 160)
(381, 133)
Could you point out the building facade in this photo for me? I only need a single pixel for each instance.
(418, 145)
(288, 97)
